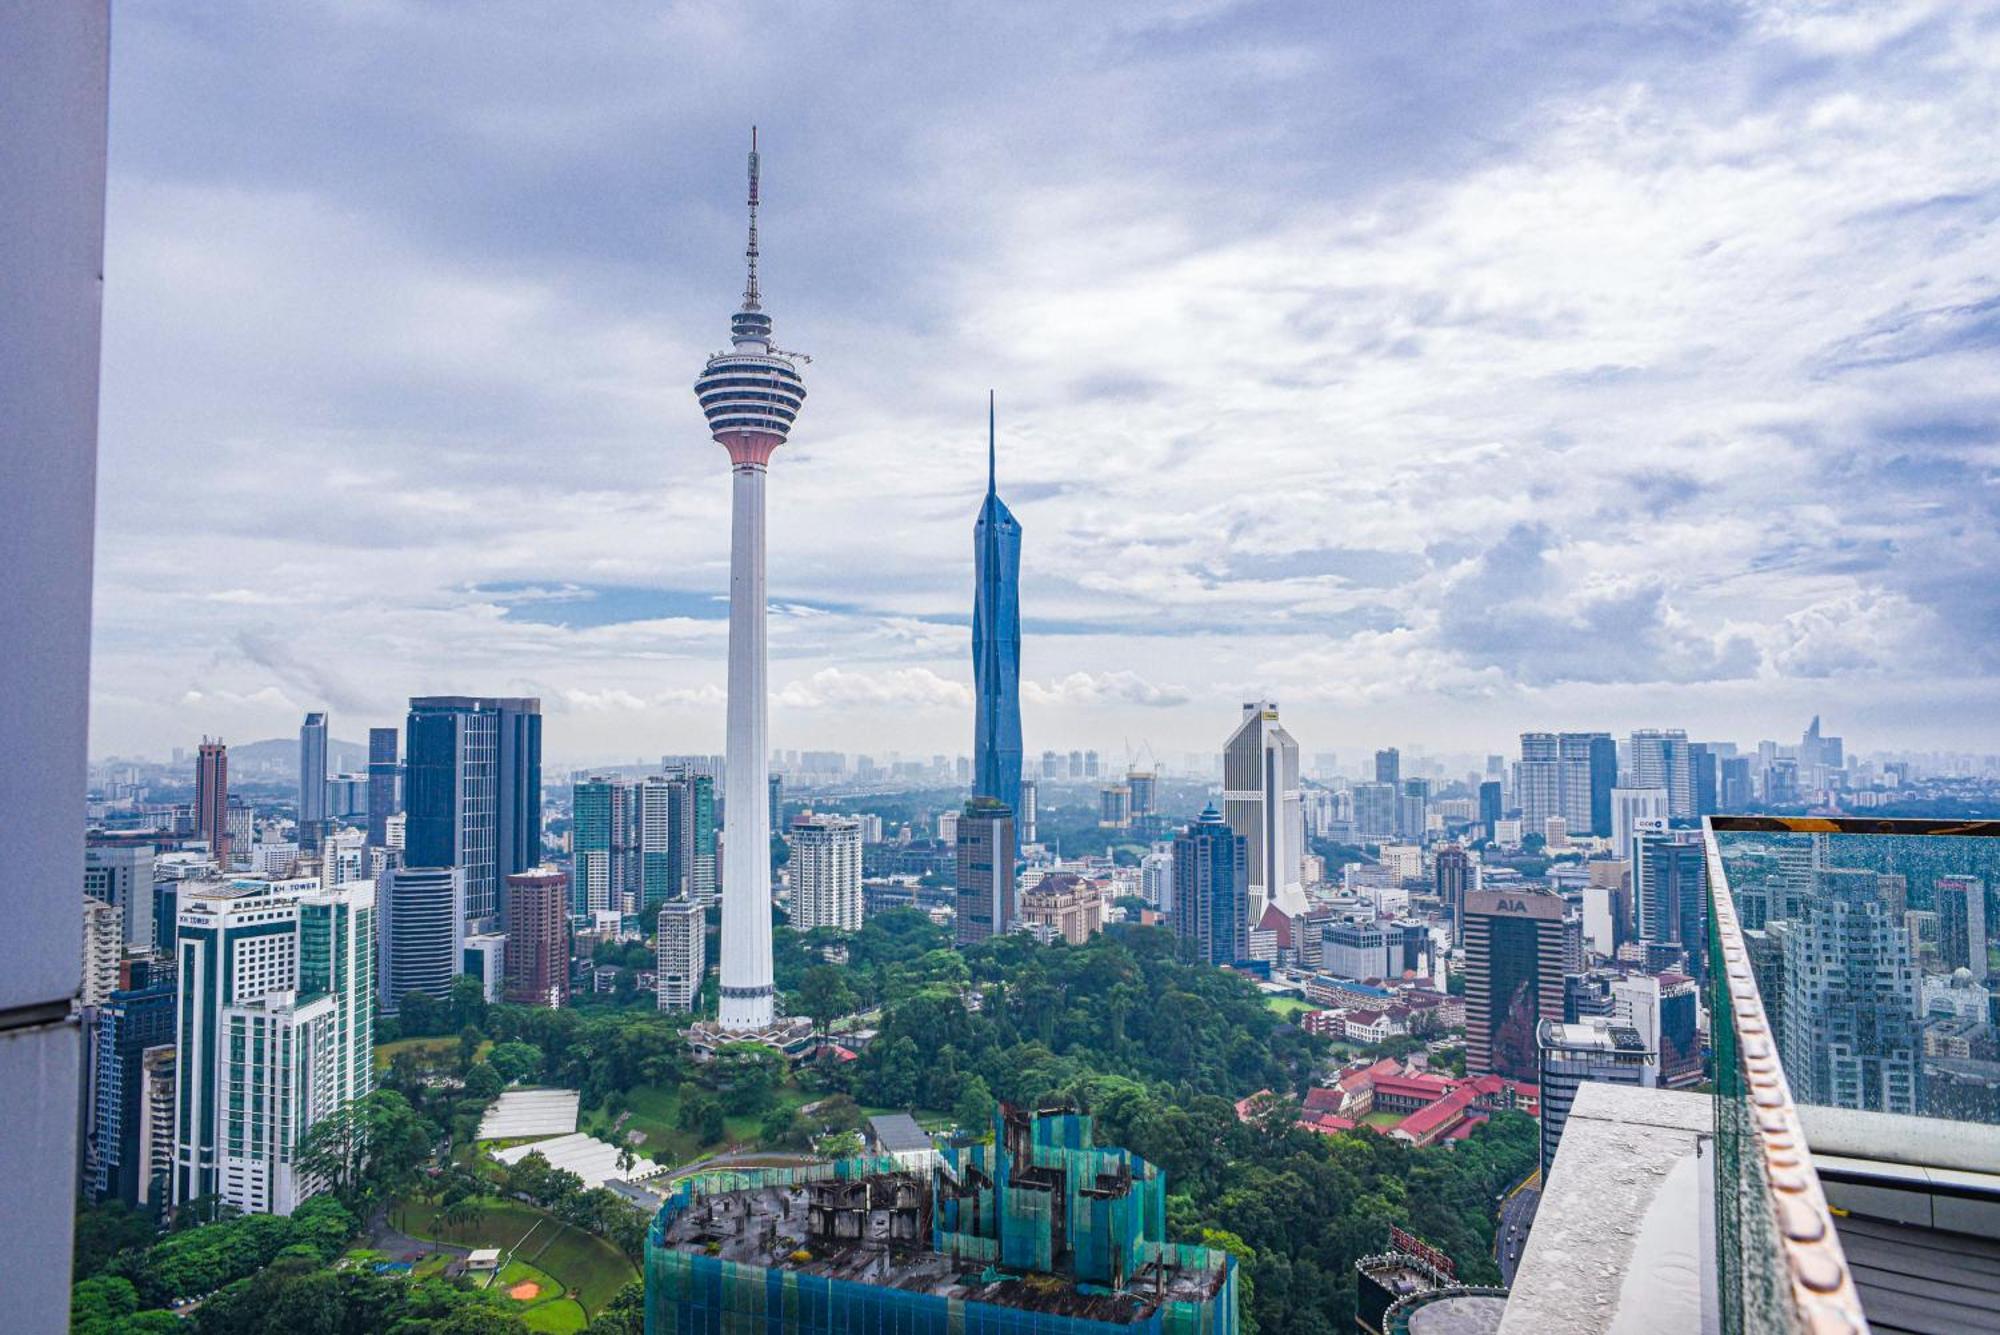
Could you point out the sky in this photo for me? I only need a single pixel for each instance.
(1440, 371)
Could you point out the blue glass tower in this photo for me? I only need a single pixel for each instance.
(996, 643)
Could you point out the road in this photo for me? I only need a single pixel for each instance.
(1510, 1234)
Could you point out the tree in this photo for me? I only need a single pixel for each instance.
(483, 1082)
(417, 1014)
(465, 1005)
(516, 1062)
(97, 1305)
(469, 1039)
(746, 1076)
(974, 1109)
(824, 997)
(369, 1148)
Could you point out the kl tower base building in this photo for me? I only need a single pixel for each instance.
(750, 394)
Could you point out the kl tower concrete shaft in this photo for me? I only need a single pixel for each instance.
(751, 395)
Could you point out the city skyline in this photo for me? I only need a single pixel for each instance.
(1471, 303)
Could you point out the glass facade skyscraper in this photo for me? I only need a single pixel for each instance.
(996, 643)
(473, 791)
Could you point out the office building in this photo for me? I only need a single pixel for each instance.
(1389, 766)
(384, 776)
(421, 918)
(1630, 807)
(1513, 978)
(1375, 810)
(659, 801)
(1670, 889)
(1454, 875)
(1114, 807)
(1734, 791)
(538, 937)
(681, 954)
(751, 395)
(1211, 891)
(601, 821)
(1036, 1231)
(1144, 787)
(1361, 950)
(239, 822)
(1662, 758)
(484, 956)
(1960, 905)
(996, 642)
(1597, 1051)
(211, 798)
(1260, 801)
(1029, 799)
(825, 870)
(1850, 1036)
(103, 945)
(118, 870)
(1490, 809)
(313, 813)
(985, 845)
(274, 1032)
(472, 789)
(122, 1141)
(1062, 907)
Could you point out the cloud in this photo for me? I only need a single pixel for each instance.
(900, 688)
(1103, 688)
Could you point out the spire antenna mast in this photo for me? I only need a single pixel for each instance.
(992, 472)
(750, 293)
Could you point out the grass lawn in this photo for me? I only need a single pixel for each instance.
(654, 1109)
(572, 1258)
(1287, 1007)
(1382, 1121)
(386, 1052)
(558, 1316)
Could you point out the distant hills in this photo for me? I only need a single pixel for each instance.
(278, 757)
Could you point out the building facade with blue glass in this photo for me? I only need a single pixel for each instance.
(996, 644)
(473, 792)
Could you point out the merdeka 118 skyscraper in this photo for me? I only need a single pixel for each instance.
(750, 394)
(996, 643)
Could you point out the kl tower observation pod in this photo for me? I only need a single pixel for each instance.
(751, 395)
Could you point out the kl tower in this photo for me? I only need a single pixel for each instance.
(750, 394)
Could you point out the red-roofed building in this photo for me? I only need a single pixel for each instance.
(1326, 1124)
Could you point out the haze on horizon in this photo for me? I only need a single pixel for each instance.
(1438, 373)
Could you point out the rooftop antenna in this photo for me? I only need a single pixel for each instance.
(750, 293)
(991, 471)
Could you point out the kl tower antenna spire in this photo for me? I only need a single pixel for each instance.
(751, 395)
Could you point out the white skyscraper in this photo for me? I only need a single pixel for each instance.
(274, 1028)
(826, 873)
(750, 394)
(1260, 801)
(1661, 758)
(682, 954)
(1629, 806)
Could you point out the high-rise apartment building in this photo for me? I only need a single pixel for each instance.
(985, 845)
(538, 937)
(825, 872)
(211, 798)
(1389, 766)
(473, 792)
(1662, 758)
(1596, 1051)
(121, 1140)
(1849, 1036)
(1513, 978)
(1211, 891)
(1375, 810)
(1030, 804)
(601, 819)
(681, 954)
(1260, 801)
(1144, 785)
(384, 777)
(1960, 905)
(313, 812)
(1568, 775)
(103, 944)
(1454, 877)
(421, 923)
(996, 642)
(274, 1032)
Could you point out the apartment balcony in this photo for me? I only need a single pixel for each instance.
(1844, 1174)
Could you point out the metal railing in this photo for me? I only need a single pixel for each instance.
(1779, 1260)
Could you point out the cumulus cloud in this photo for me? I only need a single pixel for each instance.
(1101, 688)
(897, 688)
